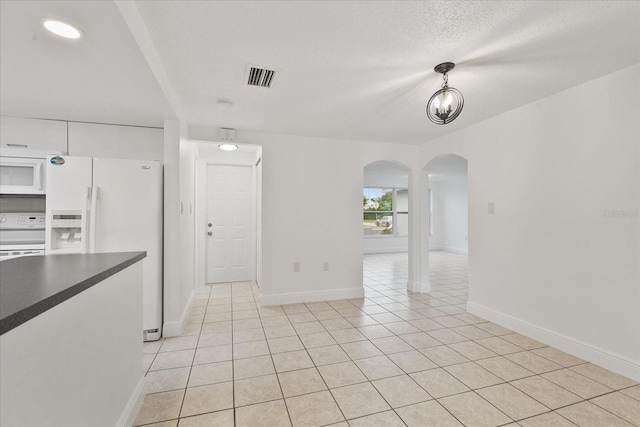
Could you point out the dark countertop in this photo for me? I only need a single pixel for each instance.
(31, 285)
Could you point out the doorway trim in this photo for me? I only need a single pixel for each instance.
(200, 260)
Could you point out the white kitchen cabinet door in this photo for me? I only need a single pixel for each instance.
(19, 133)
(116, 142)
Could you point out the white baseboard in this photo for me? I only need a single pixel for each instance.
(385, 250)
(607, 359)
(450, 249)
(174, 329)
(298, 297)
(130, 411)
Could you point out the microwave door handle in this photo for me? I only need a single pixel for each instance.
(92, 219)
(38, 176)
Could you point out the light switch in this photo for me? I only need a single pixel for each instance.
(492, 208)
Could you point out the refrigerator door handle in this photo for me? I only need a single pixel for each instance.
(92, 219)
(85, 220)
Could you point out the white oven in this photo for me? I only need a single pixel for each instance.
(22, 175)
(21, 234)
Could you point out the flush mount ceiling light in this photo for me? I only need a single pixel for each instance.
(61, 29)
(228, 147)
(446, 104)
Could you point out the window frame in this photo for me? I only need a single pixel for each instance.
(393, 212)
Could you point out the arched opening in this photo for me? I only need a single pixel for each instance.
(448, 228)
(385, 215)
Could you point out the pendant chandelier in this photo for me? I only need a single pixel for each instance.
(446, 104)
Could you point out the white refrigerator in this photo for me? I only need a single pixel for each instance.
(109, 205)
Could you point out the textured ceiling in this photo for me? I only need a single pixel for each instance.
(363, 70)
(359, 70)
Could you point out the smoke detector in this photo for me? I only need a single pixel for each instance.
(259, 76)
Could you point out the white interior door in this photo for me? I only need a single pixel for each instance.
(229, 223)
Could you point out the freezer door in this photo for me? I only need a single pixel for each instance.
(68, 194)
(128, 217)
(67, 181)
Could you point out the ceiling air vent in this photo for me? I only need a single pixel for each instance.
(260, 77)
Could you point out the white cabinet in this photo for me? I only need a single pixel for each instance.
(18, 133)
(115, 141)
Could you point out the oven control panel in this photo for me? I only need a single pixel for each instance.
(22, 220)
(31, 220)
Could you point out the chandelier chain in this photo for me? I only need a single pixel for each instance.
(445, 77)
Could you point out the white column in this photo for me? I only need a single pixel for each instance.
(418, 232)
(172, 306)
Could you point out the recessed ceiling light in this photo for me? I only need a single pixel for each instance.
(61, 29)
(228, 147)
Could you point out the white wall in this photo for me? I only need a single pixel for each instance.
(548, 262)
(385, 174)
(187, 222)
(384, 244)
(176, 302)
(450, 217)
(312, 212)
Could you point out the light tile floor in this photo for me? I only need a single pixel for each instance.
(393, 358)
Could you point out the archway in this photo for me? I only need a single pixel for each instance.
(447, 195)
(385, 224)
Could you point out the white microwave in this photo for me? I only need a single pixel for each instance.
(22, 175)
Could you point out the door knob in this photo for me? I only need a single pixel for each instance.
(209, 225)
(210, 233)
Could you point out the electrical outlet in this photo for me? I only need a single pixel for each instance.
(492, 208)
(325, 267)
(296, 267)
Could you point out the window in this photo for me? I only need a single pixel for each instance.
(385, 211)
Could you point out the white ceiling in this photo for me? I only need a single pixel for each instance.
(360, 70)
(102, 77)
